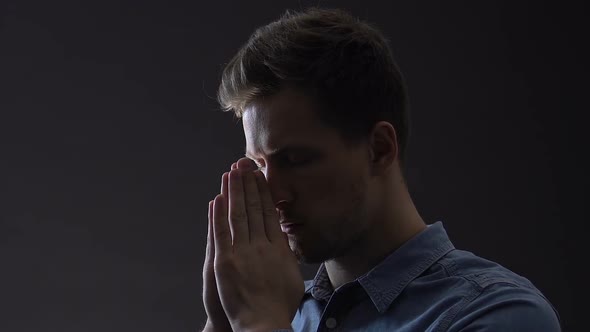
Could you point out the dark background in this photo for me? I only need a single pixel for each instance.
(111, 145)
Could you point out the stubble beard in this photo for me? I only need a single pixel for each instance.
(327, 244)
(335, 235)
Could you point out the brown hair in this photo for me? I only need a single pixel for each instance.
(345, 64)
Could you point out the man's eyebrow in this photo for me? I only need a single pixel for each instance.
(283, 150)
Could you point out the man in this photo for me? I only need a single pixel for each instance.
(325, 117)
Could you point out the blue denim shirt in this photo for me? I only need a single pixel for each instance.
(427, 285)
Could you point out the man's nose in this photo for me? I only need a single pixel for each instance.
(280, 196)
(279, 187)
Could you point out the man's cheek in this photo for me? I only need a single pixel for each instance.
(325, 190)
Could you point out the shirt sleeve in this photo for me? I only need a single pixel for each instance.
(507, 308)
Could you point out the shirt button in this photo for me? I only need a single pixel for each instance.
(331, 323)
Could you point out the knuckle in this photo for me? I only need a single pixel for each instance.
(254, 206)
(223, 263)
(223, 233)
(261, 249)
(269, 211)
(219, 262)
(237, 215)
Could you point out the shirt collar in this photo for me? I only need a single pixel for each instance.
(387, 280)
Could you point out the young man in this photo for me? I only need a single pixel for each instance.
(325, 117)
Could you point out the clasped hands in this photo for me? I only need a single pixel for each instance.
(251, 278)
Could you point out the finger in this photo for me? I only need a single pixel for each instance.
(238, 218)
(234, 166)
(224, 184)
(271, 218)
(210, 249)
(224, 190)
(254, 208)
(221, 231)
(246, 164)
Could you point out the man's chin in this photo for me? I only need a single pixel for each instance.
(305, 256)
(309, 261)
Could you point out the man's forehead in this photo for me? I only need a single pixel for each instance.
(284, 109)
(285, 119)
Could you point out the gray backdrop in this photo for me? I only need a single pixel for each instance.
(111, 145)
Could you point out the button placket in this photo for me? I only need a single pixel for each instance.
(331, 323)
(341, 301)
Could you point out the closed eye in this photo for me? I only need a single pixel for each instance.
(287, 162)
(288, 157)
(294, 160)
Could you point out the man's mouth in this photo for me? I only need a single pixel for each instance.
(290, 227)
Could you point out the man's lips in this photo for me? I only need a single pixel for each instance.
(288, 222)
(290, 227)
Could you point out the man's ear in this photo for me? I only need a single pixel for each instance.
(383, 147)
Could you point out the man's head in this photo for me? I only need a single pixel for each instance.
(324, 110)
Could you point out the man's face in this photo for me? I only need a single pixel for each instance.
(316, 178)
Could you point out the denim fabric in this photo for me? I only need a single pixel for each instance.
(427, 285)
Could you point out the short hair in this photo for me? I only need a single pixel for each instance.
(343, 63)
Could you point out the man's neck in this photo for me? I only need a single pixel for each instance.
(399, 223)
